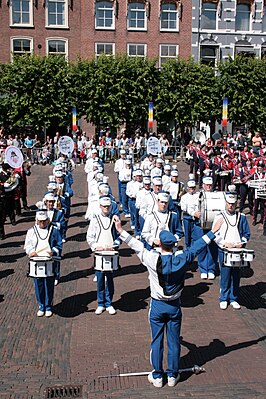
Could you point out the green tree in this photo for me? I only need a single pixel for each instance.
(187, 93)
(36, 91)
(243, 81)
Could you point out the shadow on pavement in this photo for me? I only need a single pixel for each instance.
(11, 258)
(76, 275)
(84, 254)
(5, 273)
(75, 305)
(201, 355)
(133, 301)
(253, 296)
(134, 269)
(190, 294)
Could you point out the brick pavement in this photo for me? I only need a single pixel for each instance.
(75, 346)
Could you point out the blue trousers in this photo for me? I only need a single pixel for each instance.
(44, 291)
(188, 224)
(119, 190)
(229, 281)
(165, 316)
(132, 210)
(124, 198)
(105, 290)
(208, 256)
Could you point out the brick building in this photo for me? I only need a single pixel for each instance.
(155, 28)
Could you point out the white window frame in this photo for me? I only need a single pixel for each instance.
(249, 27)
(112, 7)
(97, 55)
(137, 45)
(137, 10)
(217, 58)
(168, 57)
(63, 39)
(176, 29)
(20, 25)
(56, 26)
(13, 38)
(216, 14)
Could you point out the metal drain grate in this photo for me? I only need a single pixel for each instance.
(70, 391)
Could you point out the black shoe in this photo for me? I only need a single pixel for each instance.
(3, 237)
(254, 223)
(26, 208)
(13, 223)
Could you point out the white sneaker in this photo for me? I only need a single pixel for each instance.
(223, 305)
(48, 313)
(63, 240)
(211, 276)
(56, 282)
(157, 382)
(235, 305)
(132, 227)
(172, 381)
(94, 279)
(203, 276)
(40, 313)
(138, 237)
(111, 310)
(99, 310)
(127, 215)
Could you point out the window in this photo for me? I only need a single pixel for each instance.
(104, 48)
(137, 18)
(104, 15)
(209, 55)
(57, 47)
(208, 15)
(20, 46)
(168, 51)
(264, 19)
(243, 17)
(57, 14)
(21, 13)
(169, 17)
(136, 50)
(263, 51)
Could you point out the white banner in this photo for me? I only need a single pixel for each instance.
(153, 146)
(66, 145)
(13, 156)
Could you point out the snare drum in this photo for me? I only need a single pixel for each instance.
(238, 257)
(106, 261)
(210, 205)
(42, 266)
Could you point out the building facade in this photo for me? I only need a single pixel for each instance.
(225, 28)
(88, 28)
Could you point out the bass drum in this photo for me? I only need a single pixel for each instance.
(210, 205)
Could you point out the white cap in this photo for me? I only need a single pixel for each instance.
(128, 162)
(49, 197)
(191, 183)
(159, 160)
(207, 180)
(122, 151)
(103, 188)
(105, 201)
(232, 188)
(146, 180)
(191, 176)
(99, 176)
(138, 172)
(51, 178)
(157, 181)
(41, 215)
(105, 179)
(52, 186)
(94, 151)
(59, 173)
(163, 196)
(174, 173)
(230, 198)
(167, 167)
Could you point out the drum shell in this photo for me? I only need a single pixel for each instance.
(248, 255)
(238, 257)
(41, 267)
(106, 261)
(211, 203)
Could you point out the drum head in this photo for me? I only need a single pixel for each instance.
(106, 253)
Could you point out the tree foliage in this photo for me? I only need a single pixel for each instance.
(110, 91)
(243, 81)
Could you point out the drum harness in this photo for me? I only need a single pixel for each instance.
(166, 224)
(228, 222)
(50, 228)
